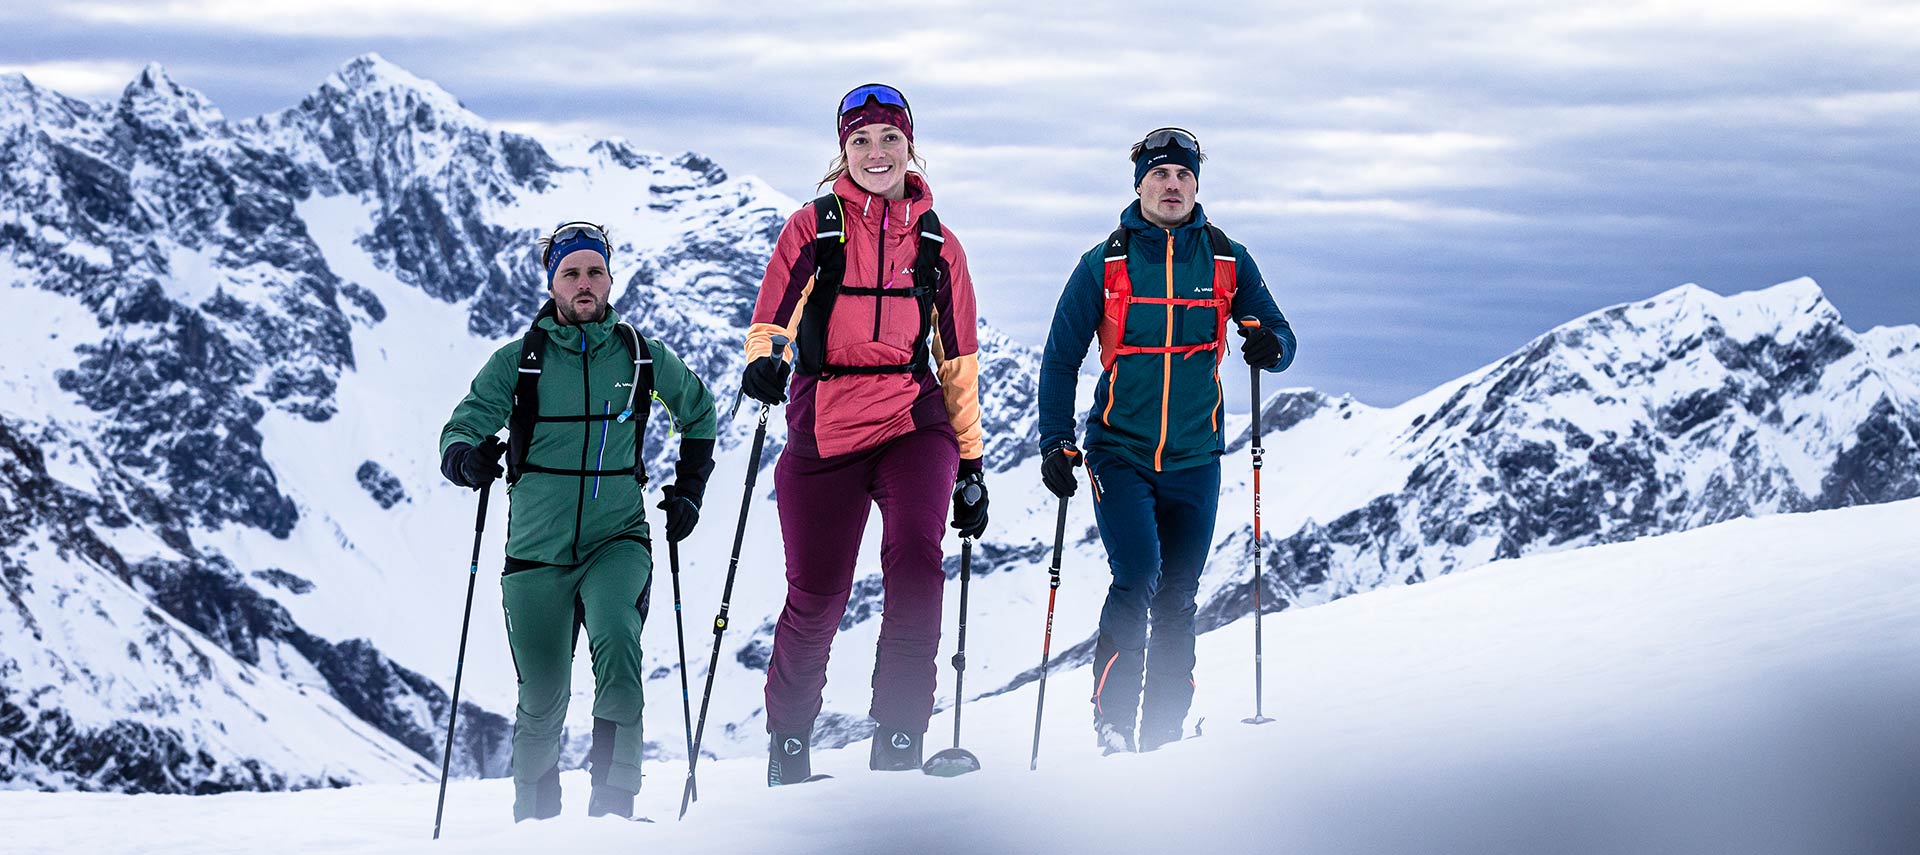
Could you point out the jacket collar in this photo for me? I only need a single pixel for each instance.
(1152, 239)
(567, 336)
(1132, 219)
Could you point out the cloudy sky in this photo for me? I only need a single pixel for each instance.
(1426, 186)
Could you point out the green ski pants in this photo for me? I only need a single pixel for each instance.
(542, 606)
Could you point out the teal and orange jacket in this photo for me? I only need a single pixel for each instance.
(1159, 411)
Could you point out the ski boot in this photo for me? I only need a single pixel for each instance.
(788, 758)
(895, 750)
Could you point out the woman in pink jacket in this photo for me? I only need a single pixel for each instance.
(875, 295)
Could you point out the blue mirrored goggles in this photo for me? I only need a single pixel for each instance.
(1163, 137)
(880, 92)
(568, 232)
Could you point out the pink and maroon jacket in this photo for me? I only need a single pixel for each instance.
(854, 412)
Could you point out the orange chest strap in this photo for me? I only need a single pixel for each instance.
(1119, 299)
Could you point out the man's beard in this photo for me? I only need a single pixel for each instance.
(567, 316)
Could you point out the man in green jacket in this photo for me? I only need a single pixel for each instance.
(578, 545)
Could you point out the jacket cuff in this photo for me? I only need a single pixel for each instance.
(691, 471)
(969, 466)
(450, 462)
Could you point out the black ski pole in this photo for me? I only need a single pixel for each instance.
(726, 592)
(1046, 646)
(460, 664)
(1259, 568)
(960, 654)
(680, 635)
(956, 760)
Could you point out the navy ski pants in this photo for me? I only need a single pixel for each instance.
(1157, 528)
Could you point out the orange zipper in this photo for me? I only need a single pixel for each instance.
(1166, 359)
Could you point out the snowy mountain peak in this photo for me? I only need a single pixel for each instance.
(154, 100)
(27, 106)
(371, 78)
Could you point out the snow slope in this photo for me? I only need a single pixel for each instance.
(1743, 687)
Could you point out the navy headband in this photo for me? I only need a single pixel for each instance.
(573, 243)
(1162, 156)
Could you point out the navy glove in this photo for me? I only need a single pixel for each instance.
(970, 500)
(683, 513)
(468, 466)
(1056, 469)
(1262, 348)
(765, 380)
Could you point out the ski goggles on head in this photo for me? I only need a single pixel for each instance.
(572, 237)
(879, 92)
(1163, 137)
(574, 233)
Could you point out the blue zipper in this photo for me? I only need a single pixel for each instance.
(607, 409)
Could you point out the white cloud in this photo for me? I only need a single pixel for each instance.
(78, 78)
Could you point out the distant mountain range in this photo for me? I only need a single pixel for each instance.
(230, 563)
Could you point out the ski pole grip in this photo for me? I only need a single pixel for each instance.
(1248, 324)
(780, 347)
(970, 494)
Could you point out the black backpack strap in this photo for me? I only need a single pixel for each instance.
(526, 395)
(927, 273)
(1116, 246)
(642, 397)
(830, 269)
(1222, 248)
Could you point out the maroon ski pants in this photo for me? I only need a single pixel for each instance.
(824, 504)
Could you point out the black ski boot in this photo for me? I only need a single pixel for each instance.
(788, 758)
(895, 750)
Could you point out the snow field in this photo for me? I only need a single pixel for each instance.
(1739, 688)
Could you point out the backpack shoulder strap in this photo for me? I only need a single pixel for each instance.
(830, 267)
(526, 393)
(642, 355)
(926, 283)
(829, 219)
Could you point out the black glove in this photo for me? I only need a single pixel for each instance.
(765, 380)
(1262, 348)
(970, 500)
(683, 513)
(473, 467)
(1056, 469)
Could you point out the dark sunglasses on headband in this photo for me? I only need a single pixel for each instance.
(569, 231)
(880, 92)
(1181, 137)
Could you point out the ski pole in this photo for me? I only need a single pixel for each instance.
(726, 592)
(960, 655)
(1046, 646)
(955, 761)
(680, 635)
(459, 666)
(1247, 325)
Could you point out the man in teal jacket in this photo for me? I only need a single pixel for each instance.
(1161, 294)
(578, 545)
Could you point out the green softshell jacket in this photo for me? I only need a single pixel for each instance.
(562, 519)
